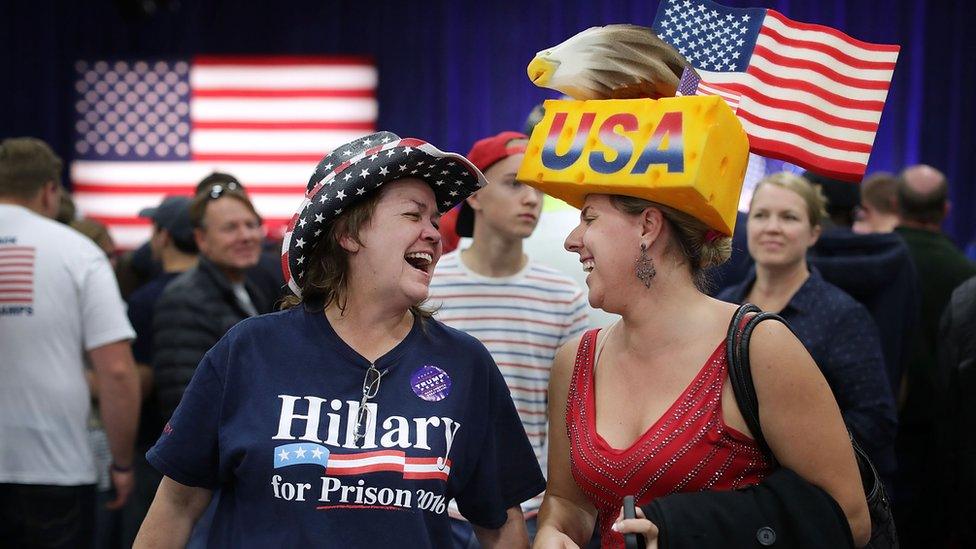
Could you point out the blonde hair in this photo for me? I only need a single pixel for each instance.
(689, 235)
(811, 194)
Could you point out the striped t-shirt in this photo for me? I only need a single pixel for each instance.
(522, 319)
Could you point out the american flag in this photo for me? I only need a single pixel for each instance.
(691, 84)
(150, 128)
(810, 94)
(17, 275)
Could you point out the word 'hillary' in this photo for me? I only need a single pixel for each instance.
(398, 431)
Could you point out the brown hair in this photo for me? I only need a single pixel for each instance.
(811, 194)
(66, 209)
(96, 231)
(880, 191)
(326, 279)
(26, 165)
(688, 234)
(198, 207)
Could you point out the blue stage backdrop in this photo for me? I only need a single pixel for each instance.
(454, 71)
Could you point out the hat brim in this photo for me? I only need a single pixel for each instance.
(450, 176)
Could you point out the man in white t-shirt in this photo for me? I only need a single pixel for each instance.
(520, 310)
(59, 302)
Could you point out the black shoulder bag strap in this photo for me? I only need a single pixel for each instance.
(740, 373)
(740, 377)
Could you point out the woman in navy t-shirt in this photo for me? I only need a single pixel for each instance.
(351, 418)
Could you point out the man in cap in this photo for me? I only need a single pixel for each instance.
(59, 303)
(173, 247)
(520, 310)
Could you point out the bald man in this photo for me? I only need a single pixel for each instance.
(922, 205)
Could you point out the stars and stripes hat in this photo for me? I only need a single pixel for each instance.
(353, 171)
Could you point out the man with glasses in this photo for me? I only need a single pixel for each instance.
(200, 305)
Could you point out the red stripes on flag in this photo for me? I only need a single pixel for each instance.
(265, 119)
(730, 96)
(393, 461)
(812, 95)
(17, 275)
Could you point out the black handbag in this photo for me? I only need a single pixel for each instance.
(883, 535)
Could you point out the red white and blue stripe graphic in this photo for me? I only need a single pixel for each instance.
(17, 275)
(147, 129)
(389, 460)
(393, 461)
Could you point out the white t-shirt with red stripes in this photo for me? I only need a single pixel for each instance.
(522, 319)
(58, 299)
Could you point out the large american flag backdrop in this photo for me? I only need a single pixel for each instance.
(809, 94)
(150, 128)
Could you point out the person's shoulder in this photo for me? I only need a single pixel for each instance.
(840, 308)
(184, 287)
(551, 274)
(450, 260)
(452, 337)
(68, 242)
(836, 297)
(553, 279)
(964, 298)
(263, 325)
(255, 333)
(448, 265)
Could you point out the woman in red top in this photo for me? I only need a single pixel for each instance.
(644, 407)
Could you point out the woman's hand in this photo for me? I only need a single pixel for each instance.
(553, 539)
(639, 525)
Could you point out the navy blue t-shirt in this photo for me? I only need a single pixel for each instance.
(269, 420)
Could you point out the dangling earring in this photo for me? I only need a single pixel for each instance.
(645, 267)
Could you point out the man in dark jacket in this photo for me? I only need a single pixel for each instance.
(923, 204)
(957, 367)
(200, 305)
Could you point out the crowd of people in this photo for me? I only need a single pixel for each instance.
(362, 385)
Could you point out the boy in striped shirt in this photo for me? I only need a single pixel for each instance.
(520, 310)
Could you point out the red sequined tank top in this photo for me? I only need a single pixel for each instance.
(688, 449)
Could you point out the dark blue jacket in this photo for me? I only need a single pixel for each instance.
(874, 269)
(843, 340)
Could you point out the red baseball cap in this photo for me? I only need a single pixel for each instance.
(484, 154)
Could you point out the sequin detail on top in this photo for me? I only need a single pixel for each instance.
(689, 449)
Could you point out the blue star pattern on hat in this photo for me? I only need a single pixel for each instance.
(352, 171)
